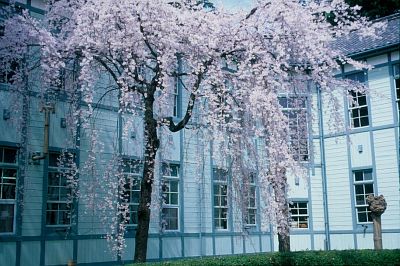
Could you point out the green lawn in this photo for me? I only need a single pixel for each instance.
(346, 257)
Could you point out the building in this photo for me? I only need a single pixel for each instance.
(39, 227)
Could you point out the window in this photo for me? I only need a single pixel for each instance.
(8, 186)
(132, 171)
(220, 180)
(251, 202)
(170, 211)
(363, 186)
(59, 190)
(299, 214)
(396, 71)
(358, 107)
(296, 111)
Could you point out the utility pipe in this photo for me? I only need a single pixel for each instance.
(46, 109)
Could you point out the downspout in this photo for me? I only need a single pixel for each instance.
(46, 109)
(323, 170)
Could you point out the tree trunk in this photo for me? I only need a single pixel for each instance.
(377, 231)
(151, 146)
(377, 206)
(284, 242)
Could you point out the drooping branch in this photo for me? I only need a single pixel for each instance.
(189, 110)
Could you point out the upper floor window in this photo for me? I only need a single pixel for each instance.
(170, 211)
(59, 189)
(396, 71)
(132, 171)
(220, 189)
(295, 110)
(8, 189)
(250, 218)
(363, 186)
(358, 107)
(299, 214)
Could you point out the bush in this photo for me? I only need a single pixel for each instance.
(345, 257)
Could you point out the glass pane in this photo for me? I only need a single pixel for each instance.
(10, 156)
(53, 159)
(302, 205)
(174, 199)
(64, 217)
(356, 123)
(302, 211)
(367, 175)
(283, 101)
(369, 189)
(10, 173)
(354, 113)
(364, 121)
(8, 192)
(173, 186)
(51, 217)
(52, 193)
(360, 200)
(135, 196)
(358, 176)
(6, 218)
(363, 101)
(359, 189)
(362, 217)
(53, 179)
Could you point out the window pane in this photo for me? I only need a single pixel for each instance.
(6, 218)
(10, 155)
(362, 217)
(174, 199)
(53, 159)
(364, 121)
(358, 176)
(369, 189)
(359, 189)
(367, 175)
(360, 200)
(362, 101)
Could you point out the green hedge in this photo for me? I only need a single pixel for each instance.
(345, 257)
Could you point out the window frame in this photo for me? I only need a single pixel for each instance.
(363, 183)
(137, 175)
(353, 102)
(218, 209)
(295, 204)
(300, 112)
(252, 184)
(168, 178)
(396, 82)
(10, 166)
(69, 204)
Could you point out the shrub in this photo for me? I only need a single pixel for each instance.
(300, 258)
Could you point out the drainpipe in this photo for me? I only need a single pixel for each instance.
(47, 109)
(323, 170)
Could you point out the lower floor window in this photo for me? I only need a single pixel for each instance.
(7, 218)
(170, 217)
(220, 206)
(299, 213)
(363, 186)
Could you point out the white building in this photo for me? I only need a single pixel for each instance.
(328, 210)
